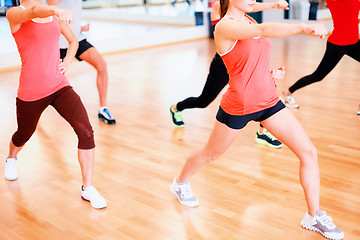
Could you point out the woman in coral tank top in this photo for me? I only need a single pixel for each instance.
(218, 78)
(245, 49)
(36, 29)
(344, 40)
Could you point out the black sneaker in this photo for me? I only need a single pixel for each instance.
(176, 117)
(105, 116)
(267, 139)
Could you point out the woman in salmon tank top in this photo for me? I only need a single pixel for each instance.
(218, 78)
(245, 49)
(36, 29)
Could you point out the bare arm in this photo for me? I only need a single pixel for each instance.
(281, 4)
(236, 30)
(73, 45)
(17, 16)
(229, 30)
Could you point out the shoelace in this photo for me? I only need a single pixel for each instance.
(269, 135)
(178, 116)
(91, 190)
(186, 190)
(107, 113)
(291, 99)
(327, 220)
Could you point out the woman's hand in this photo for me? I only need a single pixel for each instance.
(282, 4)
(85, 28)
(278, 73)
(63, 14)
(315, 30)
(64, 66)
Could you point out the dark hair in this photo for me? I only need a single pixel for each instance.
(224, 5)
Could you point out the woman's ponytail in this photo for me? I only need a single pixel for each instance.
(224, 5)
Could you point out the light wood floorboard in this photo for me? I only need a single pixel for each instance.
(251, 192)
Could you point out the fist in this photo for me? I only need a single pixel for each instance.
(278, 73)
(85, 28)
(282, 4)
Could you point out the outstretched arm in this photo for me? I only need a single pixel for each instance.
(17, 16)
(281, 4)
(229, 30)
(236, 30)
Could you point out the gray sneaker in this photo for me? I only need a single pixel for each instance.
(289, 101)
(184, 194)
(322, 224)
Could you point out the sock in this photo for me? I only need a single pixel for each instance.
(11, 158)
(102, 108)
(82, 187)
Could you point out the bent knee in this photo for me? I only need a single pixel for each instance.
(101, 66)
(204, 100)
(86, 143)
(19, 139)
(203, 104)
(211, 156)
(310, 154)
(85, 135)
(85, 138)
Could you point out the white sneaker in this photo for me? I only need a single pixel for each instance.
(104, 115)
(322, 224)
(184, 194)
(10, 169)
(358, 111)
(91, 194)
(289, 101)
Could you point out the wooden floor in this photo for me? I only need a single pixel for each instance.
(251, 192)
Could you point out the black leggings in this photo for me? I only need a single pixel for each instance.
(217, 79)
(332, 56)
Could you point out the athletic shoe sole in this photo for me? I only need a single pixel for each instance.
(264, 142)
(289, 105)
(109, 122)
(96, 207)
(312, 228)
(11, 179)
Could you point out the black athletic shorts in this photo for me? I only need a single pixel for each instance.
(240, 121)
(83, 46)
